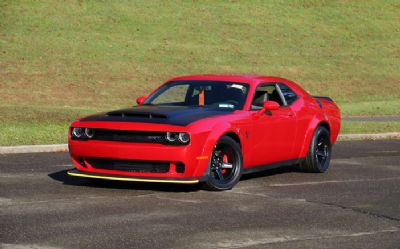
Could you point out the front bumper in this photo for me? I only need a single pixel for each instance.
(193, 157)
(78, 173)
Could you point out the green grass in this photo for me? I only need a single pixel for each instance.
(61, 59)
(42, 125)
(371, 108)
(352, 127)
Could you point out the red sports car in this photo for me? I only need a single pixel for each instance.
(209, 129)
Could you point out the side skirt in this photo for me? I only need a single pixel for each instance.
(258, 168)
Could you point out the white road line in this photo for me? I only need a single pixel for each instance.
(173, 199)
(63, 165)
(333, 181)
(10, 202)
(248, 242)
(26, 246)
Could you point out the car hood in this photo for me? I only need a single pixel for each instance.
(172, 115)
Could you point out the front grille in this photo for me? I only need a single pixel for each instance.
(129, 165)
(129, 136)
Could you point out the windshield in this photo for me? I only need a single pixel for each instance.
(211, 94)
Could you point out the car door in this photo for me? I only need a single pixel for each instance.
(274, 131)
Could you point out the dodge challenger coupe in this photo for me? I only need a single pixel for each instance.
(208, 129)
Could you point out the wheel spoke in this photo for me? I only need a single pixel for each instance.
(217, 153)
(223, 164)
(227, 165)
(321, 150)
(220, 175)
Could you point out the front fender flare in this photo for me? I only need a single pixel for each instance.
(215, 134)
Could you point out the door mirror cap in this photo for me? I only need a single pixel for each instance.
(270, 105)
(140, 100)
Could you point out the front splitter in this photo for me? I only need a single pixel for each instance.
(77, 173)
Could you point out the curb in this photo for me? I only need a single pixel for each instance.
(33, 148)
(64, 147)
(369, 136)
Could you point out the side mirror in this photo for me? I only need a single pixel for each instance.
(270, 105)
(140, 100)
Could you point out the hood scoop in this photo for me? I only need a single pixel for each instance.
(136, 115)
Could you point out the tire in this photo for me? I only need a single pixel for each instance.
(225, 166)
(319, 153)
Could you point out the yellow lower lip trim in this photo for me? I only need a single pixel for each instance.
(133, 179)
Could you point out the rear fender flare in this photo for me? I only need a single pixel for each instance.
(317, 119)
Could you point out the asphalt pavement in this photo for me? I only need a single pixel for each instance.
(356, 204)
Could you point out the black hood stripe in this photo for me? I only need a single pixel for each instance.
(172, 115)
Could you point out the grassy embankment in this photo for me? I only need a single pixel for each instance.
(61, 60)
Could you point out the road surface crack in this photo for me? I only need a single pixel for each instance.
(357, 210)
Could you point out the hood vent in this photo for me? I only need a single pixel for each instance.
(137, 115)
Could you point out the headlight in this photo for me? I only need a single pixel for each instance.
(177, 138)
(82, 133)
(184, 137)
(171, 136)
(77, 133)
(89, 132)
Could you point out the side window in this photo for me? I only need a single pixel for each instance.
(263, 93)
(288, 94)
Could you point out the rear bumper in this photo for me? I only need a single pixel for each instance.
(78, 173)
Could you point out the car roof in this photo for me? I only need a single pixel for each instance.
(252, 80)
(243, 78)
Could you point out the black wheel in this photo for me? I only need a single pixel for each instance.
(319, 153)
(225, 165)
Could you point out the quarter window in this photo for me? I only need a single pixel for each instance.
(288, 94)
(263, 93)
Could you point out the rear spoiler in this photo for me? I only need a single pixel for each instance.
(323, 97)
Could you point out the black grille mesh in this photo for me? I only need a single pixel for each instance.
(129, 165)
(129, 136)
